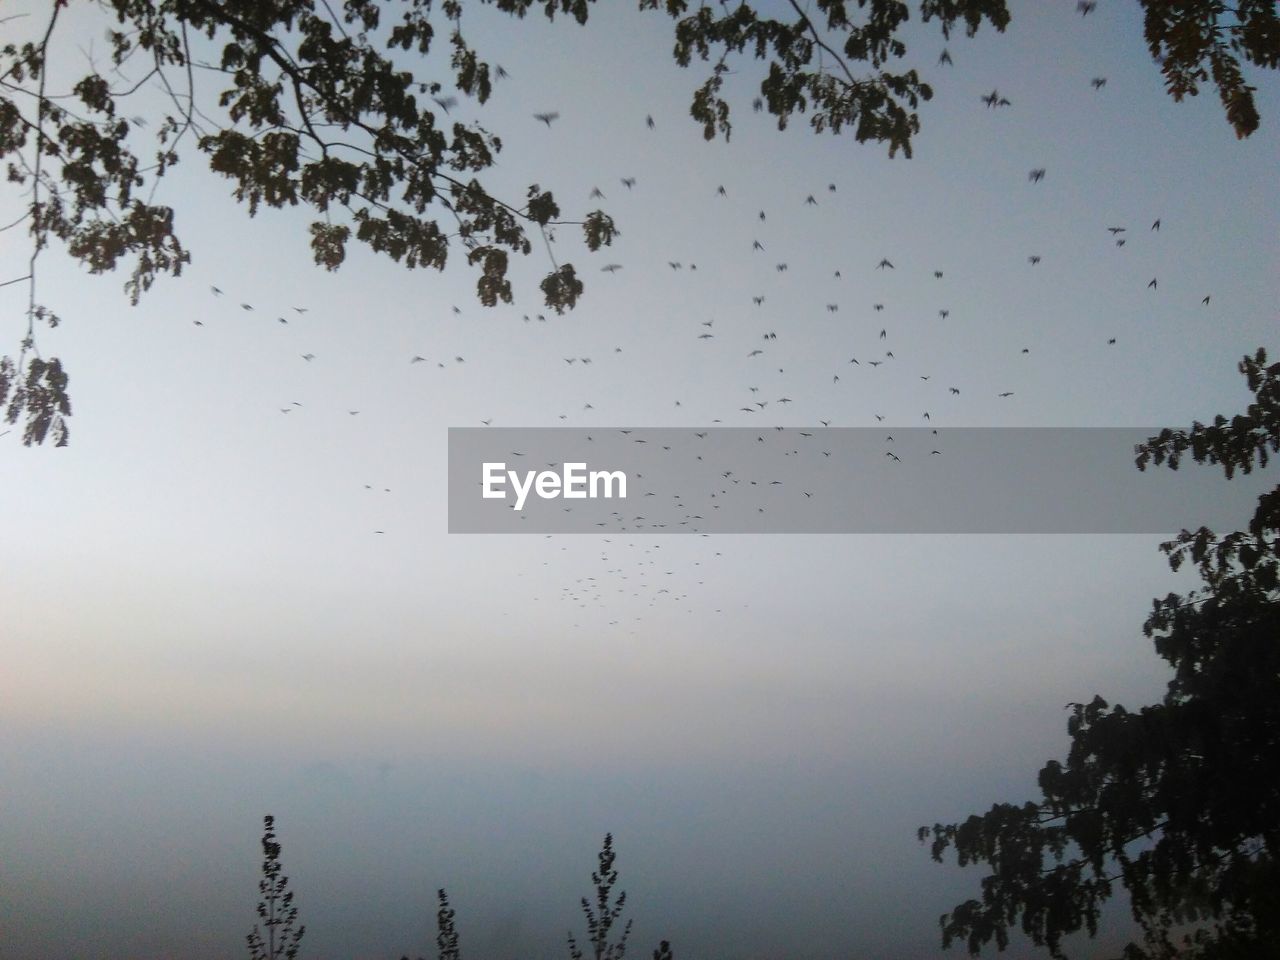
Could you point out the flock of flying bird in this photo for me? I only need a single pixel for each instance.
(641, 576)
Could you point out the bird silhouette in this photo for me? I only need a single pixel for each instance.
(1099, 82)
(547, 118)
(944, 57)
(993, 99)
(1036, 175)
(885, 263)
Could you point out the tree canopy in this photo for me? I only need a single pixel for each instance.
(1177, 803)
(330, 106)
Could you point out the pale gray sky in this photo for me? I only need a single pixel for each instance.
(201, 626)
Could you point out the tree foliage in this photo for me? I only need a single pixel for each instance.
(276, 909)
(1177, 803)
(334, 107)
(603, 914)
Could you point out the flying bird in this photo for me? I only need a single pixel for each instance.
(1099, 82)
(1033, 259)
(445, 103)
(649, 121)
(1156, 226)
(1086, 7)
(1036, 175)
(944, 57)
(885, 263)
(993, 99)
(547, 117)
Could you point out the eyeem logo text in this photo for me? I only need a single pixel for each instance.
(575, 482)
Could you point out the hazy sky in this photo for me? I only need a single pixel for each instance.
(200, 625)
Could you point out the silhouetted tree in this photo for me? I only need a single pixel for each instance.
(603, 915)
(336, 107)
(276, 909)
(446, 933)
(1178, 803)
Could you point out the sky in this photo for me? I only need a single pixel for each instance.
(202, 627)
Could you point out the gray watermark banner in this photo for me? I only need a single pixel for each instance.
(832, 480)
